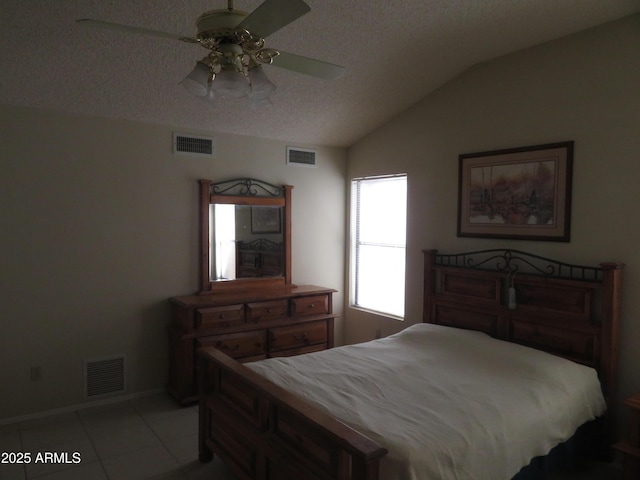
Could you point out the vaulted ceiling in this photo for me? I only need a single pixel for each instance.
(396, 52)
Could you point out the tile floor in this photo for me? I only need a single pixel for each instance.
(142, 439)
(145, 438)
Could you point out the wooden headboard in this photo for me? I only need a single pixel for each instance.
(569, 310)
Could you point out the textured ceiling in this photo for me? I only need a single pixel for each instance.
(395, 51)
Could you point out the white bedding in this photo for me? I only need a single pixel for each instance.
(446, 403)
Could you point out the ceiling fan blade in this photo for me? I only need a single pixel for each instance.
(127, 28)
(272, 15)
(308, 66)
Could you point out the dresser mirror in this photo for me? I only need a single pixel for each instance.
(245, 236)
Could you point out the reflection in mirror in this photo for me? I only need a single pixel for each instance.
(245, 235)
(246, 241)
(223, 242)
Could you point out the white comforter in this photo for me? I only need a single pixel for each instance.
(446, 403)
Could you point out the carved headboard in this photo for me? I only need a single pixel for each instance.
(569, 310)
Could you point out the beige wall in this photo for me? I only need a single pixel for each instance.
(583, 88)
(99, 229)
(99, 223)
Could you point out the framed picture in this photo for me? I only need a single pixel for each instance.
(266, 220)
(521, 193)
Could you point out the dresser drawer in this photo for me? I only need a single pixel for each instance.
(263, 311)
(237, 345)
(317, 304)
(299, 335)
(219, 317)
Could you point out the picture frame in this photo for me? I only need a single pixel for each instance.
(519, 193)
(266, 220)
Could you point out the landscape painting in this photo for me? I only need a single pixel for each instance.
(519, 193)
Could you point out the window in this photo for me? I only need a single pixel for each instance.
(378, 231)
(224, 231)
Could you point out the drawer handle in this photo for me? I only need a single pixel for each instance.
(302, 338)
(311, 305)
(269, 310)
(221, 317)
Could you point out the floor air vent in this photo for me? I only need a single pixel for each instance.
(104, 376)
(301, 156)
(193, 145)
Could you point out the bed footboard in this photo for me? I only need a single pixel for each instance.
(263, 432)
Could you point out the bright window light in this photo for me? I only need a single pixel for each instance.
(225, 241)
(379, 225)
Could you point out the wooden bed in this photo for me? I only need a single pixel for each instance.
(262, 431)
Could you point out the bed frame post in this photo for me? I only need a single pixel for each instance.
(363, 470)
(429, 286)
(206, 376)
(611, 293)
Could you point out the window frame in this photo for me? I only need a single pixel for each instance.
(355, 244)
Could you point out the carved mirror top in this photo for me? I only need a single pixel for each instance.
(245, 227)
(246, 187)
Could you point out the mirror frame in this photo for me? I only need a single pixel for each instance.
(242, 191)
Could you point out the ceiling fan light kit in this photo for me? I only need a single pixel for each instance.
(233, 68)
(261, 86)
(229, 84)
(197, 82)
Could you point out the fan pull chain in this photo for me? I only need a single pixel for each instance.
(230, 5)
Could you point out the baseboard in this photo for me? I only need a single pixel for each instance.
(80, 406)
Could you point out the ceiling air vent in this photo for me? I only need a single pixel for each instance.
(193, 145)
(301, 156)
(104, 376)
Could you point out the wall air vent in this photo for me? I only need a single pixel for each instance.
(104, 376)
(193, 145)
(301, 156)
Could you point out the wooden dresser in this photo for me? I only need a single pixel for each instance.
(247, 325)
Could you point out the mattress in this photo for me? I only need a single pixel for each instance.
(447, 403)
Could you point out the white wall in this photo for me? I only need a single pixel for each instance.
(99, 229)
(583, 88)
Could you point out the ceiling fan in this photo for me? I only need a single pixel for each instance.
(235, 40)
